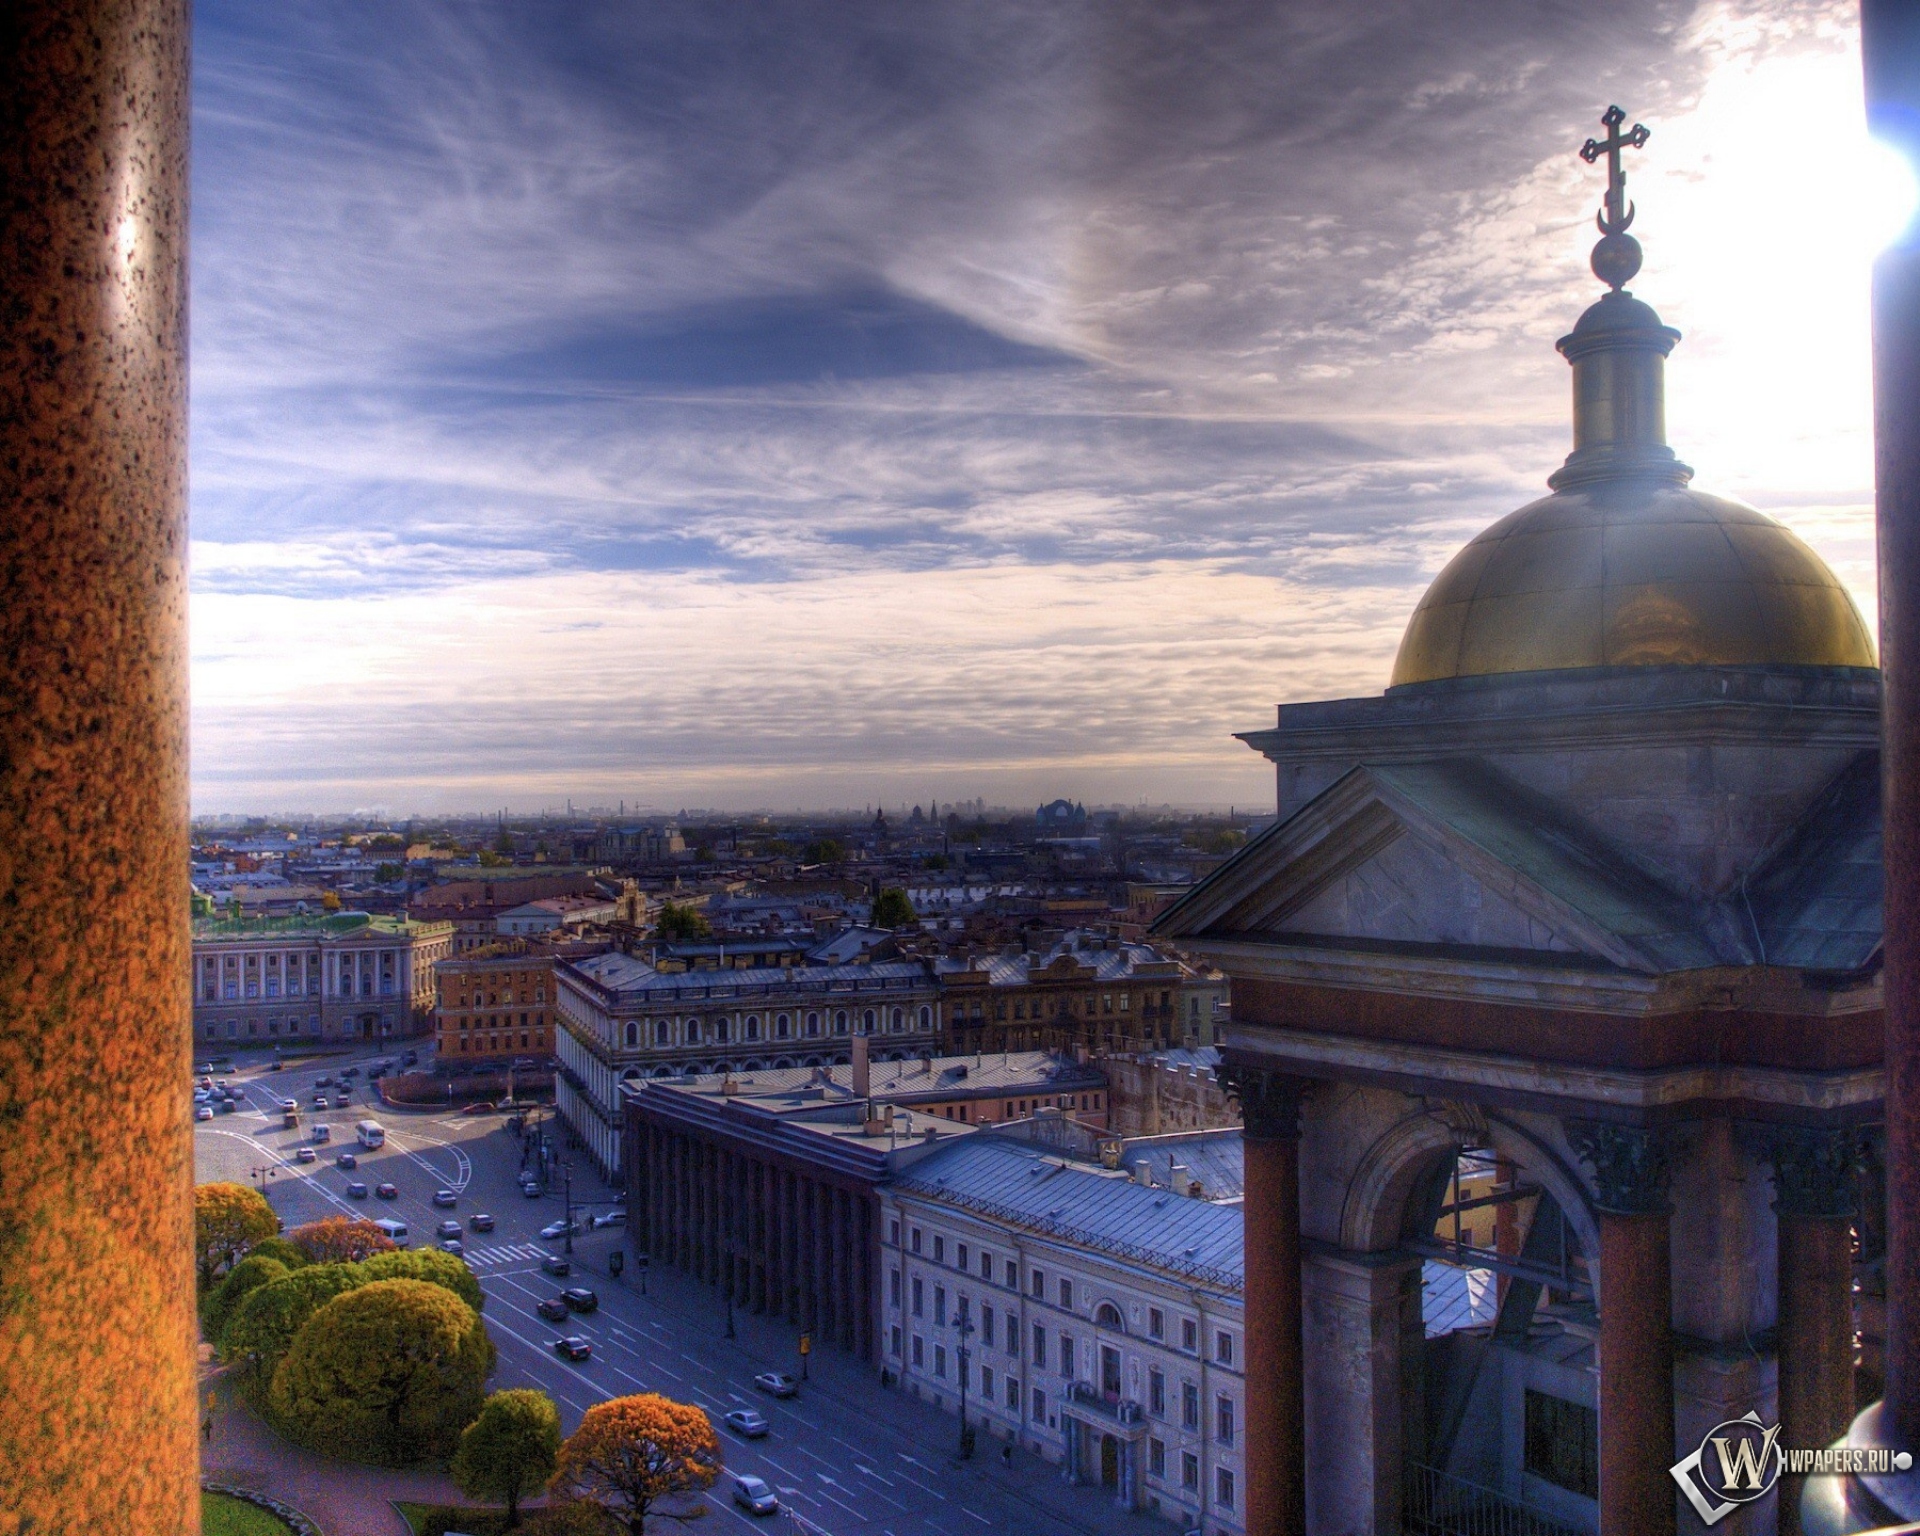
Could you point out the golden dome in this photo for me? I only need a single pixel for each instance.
(1633, 571)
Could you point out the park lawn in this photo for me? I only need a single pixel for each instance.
(224, 1516)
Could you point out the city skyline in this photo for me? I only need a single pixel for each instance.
(785, 414)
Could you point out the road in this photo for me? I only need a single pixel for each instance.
(851, 1457)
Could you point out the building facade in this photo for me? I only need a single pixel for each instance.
(620, 1020)
(346, 976)
(494, 1006)
(1082, 1312)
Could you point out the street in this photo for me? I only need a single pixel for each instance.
(851, 1457)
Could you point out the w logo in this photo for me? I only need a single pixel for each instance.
(1746, 1463)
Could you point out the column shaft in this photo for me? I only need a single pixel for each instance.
(1276, 1456)
(1816, 1335)
(1636, 1376)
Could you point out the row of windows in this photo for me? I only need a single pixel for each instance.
(497, 999)
(483, 1045)
(811, 1026)
(1063, 1295)
(480, 1021)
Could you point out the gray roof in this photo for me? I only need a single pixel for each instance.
(1019, 1184)
(1216, 1158)
(1113, 960)
(636, 981)
(1818, 903)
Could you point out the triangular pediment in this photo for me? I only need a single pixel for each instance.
(1446, 856)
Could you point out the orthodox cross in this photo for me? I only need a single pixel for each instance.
(1618, 213)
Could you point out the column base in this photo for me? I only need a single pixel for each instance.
(1860, 1501)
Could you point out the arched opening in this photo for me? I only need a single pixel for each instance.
(1500, 1382)
(1108, 1316)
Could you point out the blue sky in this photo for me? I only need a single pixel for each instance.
(797, 405)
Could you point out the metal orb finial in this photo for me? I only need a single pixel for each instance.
(1616, 258)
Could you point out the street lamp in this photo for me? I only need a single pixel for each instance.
(566, 1168)
(965, 1329)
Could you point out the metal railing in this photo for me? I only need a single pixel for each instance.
(1439, 1504)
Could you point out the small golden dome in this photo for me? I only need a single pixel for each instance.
(1632, 572)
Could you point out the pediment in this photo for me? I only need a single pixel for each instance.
(1444, 855)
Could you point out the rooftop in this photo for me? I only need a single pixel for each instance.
(317, 925)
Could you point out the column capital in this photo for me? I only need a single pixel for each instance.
(1631, 1170)
(1814, 1168)
(1269, 1100)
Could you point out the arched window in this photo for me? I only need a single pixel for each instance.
(839, 1021)
(1109, 1317)
(782, 1027)
(633, 1033)
(662, 1034)
(867, 1022)
(781, 1063)
(898, 1020)
(723, 1029)
(753, 1026)
(663, 1071)
(752, 1065)
(693, 1031)
(694, 1069)
(813, 1025)
(926, 1017)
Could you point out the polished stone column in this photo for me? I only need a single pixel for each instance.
(1630, 1175)
(1813, 1177)
(1276, 1445)
(98, 1419)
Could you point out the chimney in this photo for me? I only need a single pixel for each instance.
(1143, 1173)
(862, 1088)
(1179, 1176)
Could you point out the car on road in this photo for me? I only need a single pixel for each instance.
(445, 1198)
(556, 1264)
(754, 1496)
(305, 1155)
(347, 1072)
(454, 1246)
(387, 1192)
(580, 1299)
(321, 1101)
(481, 1223)
(411, 1058)
(573, 1347)
(227, 1106)
(610, 1219)
(346, 1160)
(747, 1423)
(323, 1133)
(289, 1103)
(776, 1384)
(478, 1109)
(552, 1308)
(323, 1082)
(555, 1229)
(447, 1229)
(356, 1190)
(204, 1112)
(530, 1190)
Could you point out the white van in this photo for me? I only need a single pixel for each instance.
(323, 1133)
(396, 1231)
(371, 1133)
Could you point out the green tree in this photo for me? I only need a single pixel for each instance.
(262, 1328)
(252, 1272)
(430, 1265)
(824, 850)
(279, 1248)
(891, 909)
(388, 1373)
(510, 1450)
(340, 1239)
(631, 1452)
(228, 1219)
(682, 923)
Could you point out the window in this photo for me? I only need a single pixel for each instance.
(1039, 1406)
(1189, 1335)
(894, 1340)
(893, 1234)
(1223, 1487)
(1040, 1284)
(986, 1383)
(986, 1326)
(1013, 1276)
(782, 1027)
(893, 1286)
(1190, 1471)
(916, 1239)
(1562, 1443)
(1223, 1348)
(919, 1298)
(919, 1351)
(986, 1267)
(1039, 1345)
(1156, 1458)
(1223, 1419)
(1156, 1323)
(660, 1033)
(940, 1361)
(1067, 1356)
(939, 1249)
(1013, 1391)
(1157, 1393)
(1066, 1295)
(939, 1306)
(960, 1257)
(1189, 1405)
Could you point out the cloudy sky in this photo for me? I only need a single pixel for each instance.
(791, 405)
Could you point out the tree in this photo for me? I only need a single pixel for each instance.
(252, 1272)
(510, 1450)
(824, 850)
(279, 1248)
(631, 1452)
(681, 922)
(329, 901)
(340, 1239)
(387, 1373)
(430, 1265)
(262, 1328)
(228, 1219)
(891, 909)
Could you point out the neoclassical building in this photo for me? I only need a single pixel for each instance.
(1579, 922)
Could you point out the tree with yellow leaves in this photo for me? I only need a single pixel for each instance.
(340, 1240)
(631, 1452)
(228, 1219)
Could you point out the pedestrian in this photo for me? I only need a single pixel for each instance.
(1006, 1454)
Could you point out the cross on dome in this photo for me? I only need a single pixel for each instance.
(1616, 255)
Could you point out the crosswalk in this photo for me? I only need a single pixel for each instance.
(506, 1253)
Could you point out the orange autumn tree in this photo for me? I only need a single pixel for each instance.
(631, 1452)
(340, 1240)
(228, 1219)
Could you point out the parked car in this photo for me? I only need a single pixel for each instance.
(481, 1223)
(227, 1106)
(445, 1198)
(552, 1308)
(746, 1423)
(204, 1112)
(580, 1299)
(531, 1191)
(754, 1496)
(573, 1347)
(454, 1246)
(448, 1229)
(611, 1219)
(387, 1192)
(776, 1384)
(477, 1109)
(346, 1160)
(305, 1155)
(356, 1190)
(554, 1229)
(556, 1264)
